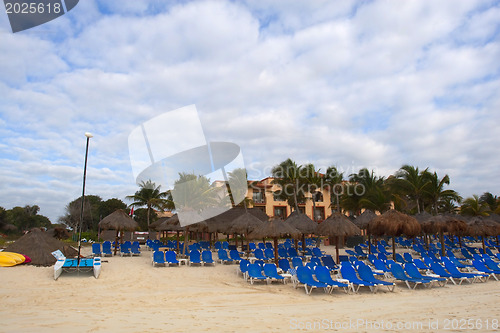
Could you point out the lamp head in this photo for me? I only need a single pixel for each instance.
(88, 135)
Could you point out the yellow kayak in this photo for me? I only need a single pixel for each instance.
(8, 259)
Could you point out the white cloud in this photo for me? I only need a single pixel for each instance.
(353, 84)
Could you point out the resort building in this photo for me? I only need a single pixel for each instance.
(262, 195)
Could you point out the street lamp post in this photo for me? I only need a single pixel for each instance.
(88, 135)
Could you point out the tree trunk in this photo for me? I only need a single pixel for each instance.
(441, 237)
(393, 248)
(276, 250)
(186, 238)
(337, 248)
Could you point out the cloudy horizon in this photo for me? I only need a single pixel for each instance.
(355, 84)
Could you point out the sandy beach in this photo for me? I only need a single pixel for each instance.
(132, 296)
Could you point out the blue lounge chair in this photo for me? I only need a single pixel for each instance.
(171, 258)
(400, 275)
(305, 277)
(235, 255)
(359, 252)
(223, 258)
(482, 269)
(323, 275)
(106, 249)
(466, 254)
(284, 264)
(317, 252)
(271, 271)
(366, 274)
(440, 271)
(329, 262)
(348, 273)
(400, 259)
(195, 258)
(297, 262)
(134, 249)
(282, 253)
(453, 270)
(259, 254)
(244, 268)
(158, 258)
(491, 264)
(269, 254)
(125, 250)
(408, 257)
(457, 263)
(96, 250)
(420, 264)
(252, 246)
(255, 273)
(413, 272)
(206, 257)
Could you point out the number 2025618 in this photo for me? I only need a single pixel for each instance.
(32, 8)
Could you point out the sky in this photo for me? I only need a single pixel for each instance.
(354, 84)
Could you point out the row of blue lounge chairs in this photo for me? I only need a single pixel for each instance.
(169, 258)
(127, 248)
(427, 271)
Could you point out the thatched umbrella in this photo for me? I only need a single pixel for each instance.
(275, 228)
(245, 224)
(119, 220)
(362, 222)
(303, 223)
(393, 223)
(483, 227)
(422, 217)
(337, 225)
(170, 224)
(222, 222)
(441, 224)
(39, 245)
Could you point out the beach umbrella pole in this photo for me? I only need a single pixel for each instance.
(88, 135)
(393, 248)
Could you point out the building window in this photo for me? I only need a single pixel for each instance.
(318, 197)
(280, 211)
(302, 210)
(259, 197)
(319, 214)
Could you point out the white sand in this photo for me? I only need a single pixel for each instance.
(132, 296)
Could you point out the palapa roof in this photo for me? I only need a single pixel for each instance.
(366, 217)
(118, 220)
(275, 228)
(222, 222)
(422, 216)
(169, 224)
(480, 226)
(245, 224)
(337, 225)
(394, 223)
(302, 222)
(39, 245)
(444, 223)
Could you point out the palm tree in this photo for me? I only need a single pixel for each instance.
(490, 199)
(334, 180)
(287, 174)
(238, 187)
(473, 206)
(151, 196)
(314, 181)
(412, 183)
(373, 195)
(435, 192)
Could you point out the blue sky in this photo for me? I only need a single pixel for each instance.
(374, 84)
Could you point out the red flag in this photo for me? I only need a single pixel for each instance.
(132, 211)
